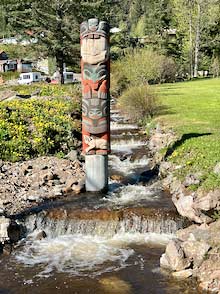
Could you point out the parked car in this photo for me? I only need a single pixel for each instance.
(29, 77)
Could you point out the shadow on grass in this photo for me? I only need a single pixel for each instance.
(179, 142)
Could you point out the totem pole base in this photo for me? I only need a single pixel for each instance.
(96, 167)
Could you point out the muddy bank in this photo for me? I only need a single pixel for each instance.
(195, 250)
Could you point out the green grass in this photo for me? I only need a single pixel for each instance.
(193, 111)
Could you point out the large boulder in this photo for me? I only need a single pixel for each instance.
(174, 258)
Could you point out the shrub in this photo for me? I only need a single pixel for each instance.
(139, 103)
(33, 127)
(10, 75)
(141, 67)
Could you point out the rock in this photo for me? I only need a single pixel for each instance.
(72, 155)
(4, 225)
(7, 249)
(216, 169)
(14, 232)
(192, 179)
(58, 191)
(185, 206)
(174, 258)
(209, 272)
(115, 285)
(41, 235)
(116, 178)
(196, 251)
(184, 234)
(165, 168)
(184, 274)
(209, 201)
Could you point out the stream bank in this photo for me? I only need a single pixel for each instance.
(195, 250)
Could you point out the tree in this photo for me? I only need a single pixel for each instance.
(55, 24)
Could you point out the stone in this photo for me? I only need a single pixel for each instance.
(196, 251)
(216, 169)
(209, 201)
(41, 235)
(165, 168)
(117, 178)
(4, 225)
(14, 232)
(174, 257)
(194, 233)
(184, 274)
(7, 249)
(72, 155)
(115, 285)
(192, 179)
(185, 206)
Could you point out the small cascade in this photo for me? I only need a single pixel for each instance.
(120, 126)
(103, 223)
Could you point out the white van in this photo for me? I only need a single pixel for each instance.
(29, 77)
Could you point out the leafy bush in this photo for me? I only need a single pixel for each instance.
(142, 67)
(33, 127)
(139, 103)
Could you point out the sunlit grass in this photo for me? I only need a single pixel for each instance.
(193, 110)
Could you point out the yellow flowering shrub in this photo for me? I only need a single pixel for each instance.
(33, 127)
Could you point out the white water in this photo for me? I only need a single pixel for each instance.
(82, 255)
(117, 126)
(132, 194)
(126, 166)
(126, 145)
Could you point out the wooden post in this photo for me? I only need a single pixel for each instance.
(95, 68)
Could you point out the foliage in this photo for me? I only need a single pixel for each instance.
(10, 75)
(139, 103)
(33, 127)
(49, 90)
(193, 112)
(141, 67)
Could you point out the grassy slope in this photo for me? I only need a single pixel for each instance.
(193, 110)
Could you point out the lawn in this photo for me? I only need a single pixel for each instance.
(193, 112)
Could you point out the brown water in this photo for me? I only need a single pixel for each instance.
(100, 244)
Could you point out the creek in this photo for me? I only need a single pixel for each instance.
(101, 243)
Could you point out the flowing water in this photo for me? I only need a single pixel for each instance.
(100, 243)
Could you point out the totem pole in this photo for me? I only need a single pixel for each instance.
(95, 68)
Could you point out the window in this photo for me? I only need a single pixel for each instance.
(26, 77)
(69, 76)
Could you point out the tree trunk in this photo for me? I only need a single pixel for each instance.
(191, 44)
(197, 41)
(59, 61)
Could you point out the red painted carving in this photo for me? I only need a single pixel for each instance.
(94, 40)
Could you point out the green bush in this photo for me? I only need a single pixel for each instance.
(142, 67)
(10, 75)
(139, 103)
(33, 127)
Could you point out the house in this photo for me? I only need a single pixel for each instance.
(3, 55)
(19, 65)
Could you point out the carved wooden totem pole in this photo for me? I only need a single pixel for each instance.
(94, 37)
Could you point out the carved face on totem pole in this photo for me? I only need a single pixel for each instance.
(95, 83)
